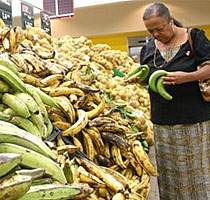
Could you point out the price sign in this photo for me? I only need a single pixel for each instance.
(59, 8)
(27, 15)
(6, 11)
(45, 22)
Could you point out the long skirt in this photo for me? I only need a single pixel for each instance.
(183, 161)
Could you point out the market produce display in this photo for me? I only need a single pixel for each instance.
(70, 128)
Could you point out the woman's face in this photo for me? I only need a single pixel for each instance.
(160, 28)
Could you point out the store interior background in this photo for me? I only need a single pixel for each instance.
(114, 21)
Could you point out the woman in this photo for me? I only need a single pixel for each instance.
(182, 125)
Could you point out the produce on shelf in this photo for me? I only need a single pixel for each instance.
(88, 129)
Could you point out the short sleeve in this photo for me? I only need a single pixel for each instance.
(142, 55)
(201, 46)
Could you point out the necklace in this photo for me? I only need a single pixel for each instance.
(168, 55)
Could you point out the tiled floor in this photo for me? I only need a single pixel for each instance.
(154, 193)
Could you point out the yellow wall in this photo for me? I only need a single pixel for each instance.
(119, 41)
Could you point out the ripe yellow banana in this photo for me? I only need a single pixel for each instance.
(78, 125)
(117, 175)
(96, 138)
(118, 196)
(59, 91)
(77, 143)
(33, 159)
(143, 159)
(50, 87)
(51, 79)
(107, 151)
(8, 161)
(107, 178)
(96, 111)
(88, 145)
(37, 64)
(117, 157)
(12, 41)
(98, 121)
(16, 104)
(6, 43)
(144, 182)
(136, 166)
(89, 178)
(66, 106)
(21, 63)
(4, 32)
(62, 125)
(112, 127)
(27, 78)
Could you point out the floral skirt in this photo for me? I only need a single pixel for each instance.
(183, 161)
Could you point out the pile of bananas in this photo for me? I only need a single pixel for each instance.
(22, 104)
(97, 146)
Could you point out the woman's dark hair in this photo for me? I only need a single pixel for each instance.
(159, 10)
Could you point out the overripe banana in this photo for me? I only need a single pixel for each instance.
(14, 187)
(96, 138)
(117, 157)
(78, 125)
(88, 145)
(143, 159)
(51, 79)
(107, 178)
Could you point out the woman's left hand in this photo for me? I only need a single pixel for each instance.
(177, 77)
